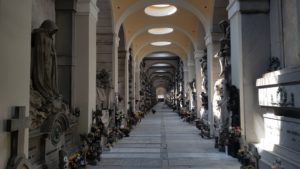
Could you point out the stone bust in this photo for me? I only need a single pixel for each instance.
(43, 61)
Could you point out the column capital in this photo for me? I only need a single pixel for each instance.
(190, 64)
(199, 53)
(127, 54)
(116, 40)
(87, 7)
(212, 37)
(247, 6)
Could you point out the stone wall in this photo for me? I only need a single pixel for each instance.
(104, 36)
(14, 65)
(42, 10)
(290, 40)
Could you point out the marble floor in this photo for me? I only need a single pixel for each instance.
(164, 141)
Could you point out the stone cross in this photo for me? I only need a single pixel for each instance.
(17, 127)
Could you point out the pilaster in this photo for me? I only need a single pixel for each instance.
(249, 21)
(126, 99)
(198, 54)
(15, 33)
(115, 70)
(85, 62)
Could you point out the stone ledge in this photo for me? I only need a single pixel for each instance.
(284, 76)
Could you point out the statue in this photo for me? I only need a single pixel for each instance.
(45, 99)
(274, 64)
(203, 64)
(43, 62)
(104, 101)
(224, 53)
(220, 101)
(104, 91)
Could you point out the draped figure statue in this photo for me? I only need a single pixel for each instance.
(43, 62)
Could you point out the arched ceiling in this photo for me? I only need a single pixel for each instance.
(174, 48)
(161, 68)
(192, 22)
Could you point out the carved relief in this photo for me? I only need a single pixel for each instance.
(274, 64)
(45, 98)
(203, 64)
(282, 98)
(224, 53)
(55, 126)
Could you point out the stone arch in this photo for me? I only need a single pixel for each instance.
(170, 48)
(161, 61)
(144, 29)
(219, 13)
(176, 43)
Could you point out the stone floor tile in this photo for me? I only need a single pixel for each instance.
(164, 141)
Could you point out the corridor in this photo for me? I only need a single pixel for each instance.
(163, 141)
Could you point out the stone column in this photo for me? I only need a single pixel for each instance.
(85, 62)
(65, 14)
(185, 80)
(15, 33)
(115, 69)
(191, 76)
(133, 85)
(137, 83)
(249, 21)
(197, 55)
(212, 44)
(126, 99)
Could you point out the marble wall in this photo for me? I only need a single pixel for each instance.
(290, 29)
(15, 38)
(42, 10)
(104, 36)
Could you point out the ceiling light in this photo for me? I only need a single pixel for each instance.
(160, 31)
(159, 10)
(161, 64)
(160, 71)
(161, 5)
(161, 43)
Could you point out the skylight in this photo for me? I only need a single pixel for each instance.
(161, 64)
(160, 10)
(160, 71)
(160, 31)
(161, 43)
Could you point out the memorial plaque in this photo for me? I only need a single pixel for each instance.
(36, 149)
(283, 131)
(52, 153)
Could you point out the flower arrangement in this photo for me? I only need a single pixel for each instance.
(277, 165)
(229, 140)
(248, 158)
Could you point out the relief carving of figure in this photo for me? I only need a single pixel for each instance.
(43, 66)
(45, 99)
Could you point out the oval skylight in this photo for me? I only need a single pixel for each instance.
(161, 65)
(160, 31)
(161, 43)
(160, 71)
(159, 10)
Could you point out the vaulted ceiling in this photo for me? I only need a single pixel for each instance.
(190, 20)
